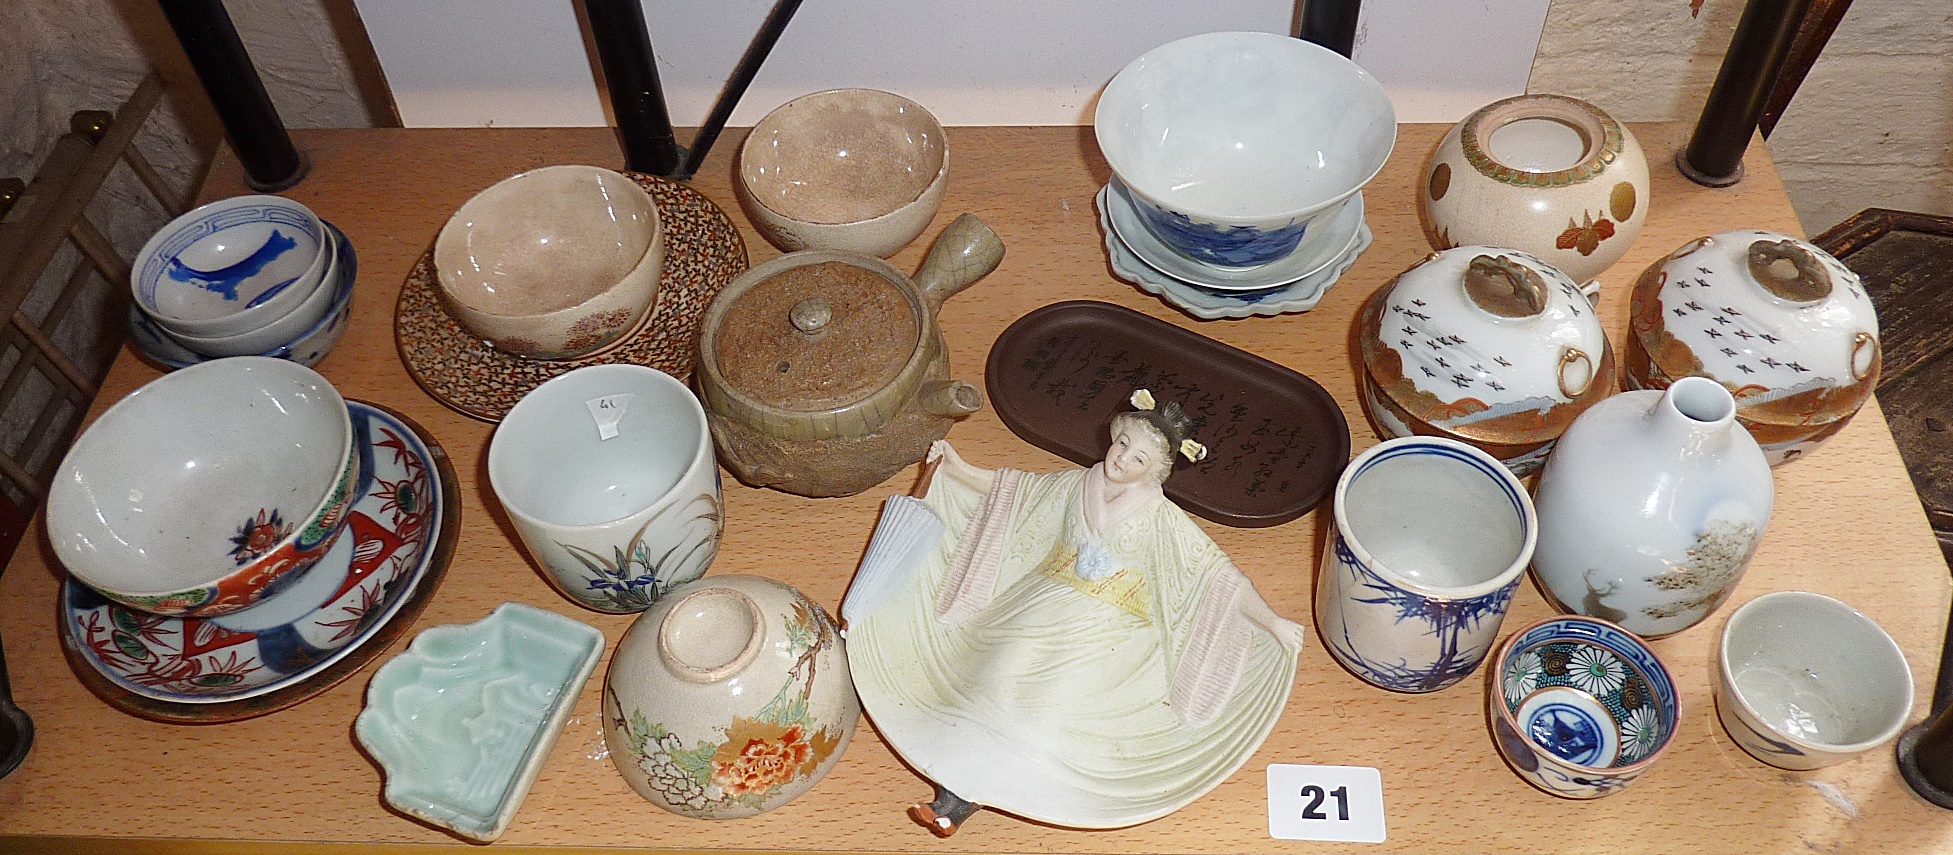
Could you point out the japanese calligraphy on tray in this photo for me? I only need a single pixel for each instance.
(1276, 439)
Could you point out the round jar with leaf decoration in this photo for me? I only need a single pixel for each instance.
(729, 697)
(1782, 324)
(1550, 175)
(1491, 347)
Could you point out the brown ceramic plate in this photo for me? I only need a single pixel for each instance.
(1276, 440)
(703, 252)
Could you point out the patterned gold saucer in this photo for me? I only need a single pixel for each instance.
(704, 252)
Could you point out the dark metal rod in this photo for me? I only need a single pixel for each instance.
(1714, 155)
(631, 75)
(742, 77)
(1925, 752)
(1331, 23)
(263, 146)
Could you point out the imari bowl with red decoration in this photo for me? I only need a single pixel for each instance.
(207, 490)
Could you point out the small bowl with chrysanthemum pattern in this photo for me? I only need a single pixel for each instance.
(1580, 707)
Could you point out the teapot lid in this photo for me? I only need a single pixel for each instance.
(1488, 345)
(817, 336)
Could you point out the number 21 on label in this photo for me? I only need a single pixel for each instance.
(1342, 803)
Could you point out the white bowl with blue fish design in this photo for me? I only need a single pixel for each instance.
(1235, 145)
(232, 266)
(1580, 707)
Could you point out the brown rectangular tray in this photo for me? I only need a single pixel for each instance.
(1276, 439)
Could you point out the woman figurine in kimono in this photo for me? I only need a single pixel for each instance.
(1075, 650)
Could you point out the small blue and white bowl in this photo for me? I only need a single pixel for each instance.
(232, 266)
(1235, 145)
(306, 347)
(1580, 707)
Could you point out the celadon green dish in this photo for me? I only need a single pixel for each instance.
(462, 720)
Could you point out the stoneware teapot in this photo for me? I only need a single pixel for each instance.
(823, 372)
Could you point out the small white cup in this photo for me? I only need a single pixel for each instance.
(1430, 538)
(607, 472)
(1804, 681)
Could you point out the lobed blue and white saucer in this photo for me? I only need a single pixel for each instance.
(1294, 283)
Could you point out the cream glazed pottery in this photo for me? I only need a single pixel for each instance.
(1651, 508)
(730, 697)
(1492, 347)
(1785, 326)
(1551, 175)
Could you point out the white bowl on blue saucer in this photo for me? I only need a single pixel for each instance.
(232, 266)
(1235, 145)
(306, 347)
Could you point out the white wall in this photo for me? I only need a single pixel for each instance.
(971, 62)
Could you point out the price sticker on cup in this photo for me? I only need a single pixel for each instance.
(607, 411)
(1343, 803)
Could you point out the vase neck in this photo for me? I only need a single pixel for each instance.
(1695, 415)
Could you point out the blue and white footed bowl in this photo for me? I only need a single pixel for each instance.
(1235, 145)
(1580, 707)
(1430, 539)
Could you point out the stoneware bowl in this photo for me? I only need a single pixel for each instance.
(1549, 175)
(1580, 707)
(208, 489)
(1782, 324)
(852, 169)
(729, 698)
(232, 266)
(1804, 681)
(1429, 541)
(284, 329)
(1234, 145)
(552, 263)
(1492, 347)
(607, 473)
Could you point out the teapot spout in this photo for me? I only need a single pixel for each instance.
(951, 399)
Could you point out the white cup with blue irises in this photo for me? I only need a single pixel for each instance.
(1430, 539)
(607, 473)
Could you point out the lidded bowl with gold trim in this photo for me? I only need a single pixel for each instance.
(1492, 347)
(1550, 175)
(1784, 325)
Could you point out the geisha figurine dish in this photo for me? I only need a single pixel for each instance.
(1066, 647)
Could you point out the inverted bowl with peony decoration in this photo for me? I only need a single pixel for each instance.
(728, 698)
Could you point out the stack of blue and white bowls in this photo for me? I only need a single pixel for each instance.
(245, 276)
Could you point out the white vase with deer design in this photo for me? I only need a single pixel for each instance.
(1651, 507)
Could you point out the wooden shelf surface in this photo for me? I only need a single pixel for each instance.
(1847, 524)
